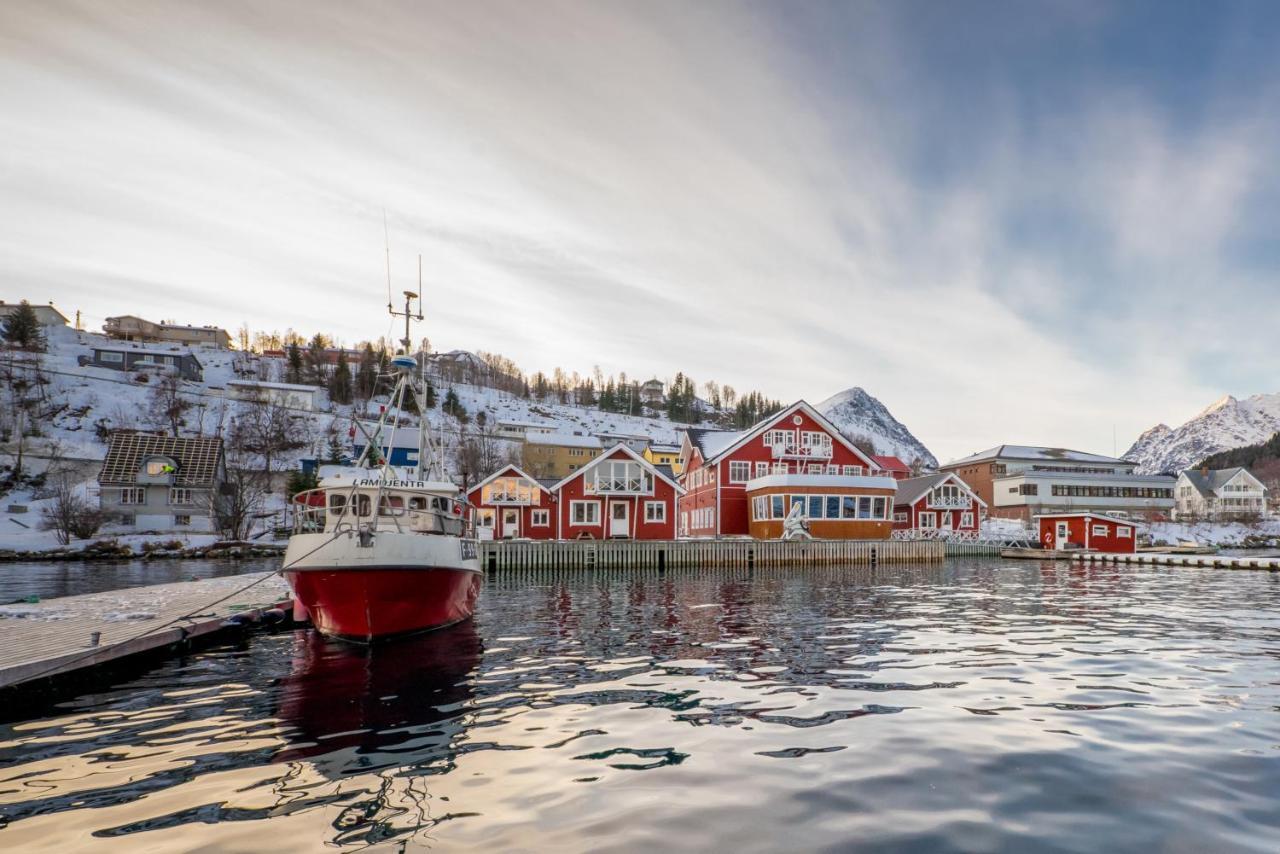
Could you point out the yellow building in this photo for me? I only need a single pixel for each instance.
(664, 455)
(557, 455)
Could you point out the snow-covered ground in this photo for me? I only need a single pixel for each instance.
(1222, 534)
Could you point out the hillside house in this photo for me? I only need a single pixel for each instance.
(161, 482)
(617, 495)
(1216, 494)
(939, 502)
(46, 315)
(510, 504)
(652, 394)
(128, 327)
(1023, 481)
(1089, 531)
(511, 429)
(892, 466)
(664, 455)
(308, 398)
(745, 483)
(141, 359)
(557, 455)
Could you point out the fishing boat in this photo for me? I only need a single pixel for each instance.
(377, 550)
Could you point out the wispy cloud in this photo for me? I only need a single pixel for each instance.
(791, 199)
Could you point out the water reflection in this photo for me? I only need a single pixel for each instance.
(971, 706)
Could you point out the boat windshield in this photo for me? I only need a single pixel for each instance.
(336, 510)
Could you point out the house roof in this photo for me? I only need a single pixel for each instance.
(710, 443)
(1208, 483)
(1086, 515)
(912, 489)
(663, 472)
(664, 449)
(564, 440)
(148, 351)
(1035, 453)
(198, 459)
(8, 308)
(510, 468)
(706, 443)
(890, 463)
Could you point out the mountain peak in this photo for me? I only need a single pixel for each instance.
(1221, 403)
(857, 413)
(1224, 424)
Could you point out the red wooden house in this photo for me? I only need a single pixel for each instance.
(511, 504)
(745, 483)
(619, 494)
(1091, 531)
(892, 466)
(936, 502)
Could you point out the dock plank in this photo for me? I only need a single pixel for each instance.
(53, 637)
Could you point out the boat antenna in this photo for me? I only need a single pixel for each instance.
(386, 235)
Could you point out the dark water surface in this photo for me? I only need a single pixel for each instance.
(50, 579)
(976, 706)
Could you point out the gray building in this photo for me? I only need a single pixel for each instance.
(128, 359)
(162, 482)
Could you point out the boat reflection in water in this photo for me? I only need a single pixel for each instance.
(368, 726)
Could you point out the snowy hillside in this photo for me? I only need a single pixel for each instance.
(857, 413)
(1228, 423)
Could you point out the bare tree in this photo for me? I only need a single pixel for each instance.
(166, 407)
(267, 429)
(238, 500)
(69, 515)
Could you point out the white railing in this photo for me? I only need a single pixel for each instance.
(950, 503)
(621, 485)
(810, 452)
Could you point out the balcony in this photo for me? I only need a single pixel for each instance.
(792, 451)
(949, 503)
(605, 485)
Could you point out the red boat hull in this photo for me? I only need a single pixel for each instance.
(369, 604)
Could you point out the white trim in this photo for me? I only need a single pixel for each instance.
(546, 517)
(608, 455)
(573, 505)
(660, 505)
(798, 406)
(500, 472)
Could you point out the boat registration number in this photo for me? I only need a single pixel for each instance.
(468, 549)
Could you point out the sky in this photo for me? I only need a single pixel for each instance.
(1024, 222)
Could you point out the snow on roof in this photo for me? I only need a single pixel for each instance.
(197, 458)
(309, 389)
(1032, 452)
(126, 347)
(567, 440)
(712, 442)
(1208, 483)
(663, 448)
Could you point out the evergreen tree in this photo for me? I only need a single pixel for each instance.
(453, 406)
(586, 394)
(300, 481)
(367, 374)
(430, 395)
(634, 406)
(340, 381)
(609, 397)
(22, 327)
(317, 362)
(540, 386)
(335, 453)
(293, 373)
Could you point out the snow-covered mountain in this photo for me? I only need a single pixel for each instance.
(1227, 423)
(857, 413)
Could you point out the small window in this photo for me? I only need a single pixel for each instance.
(928, 520)
(833, 506)
(133, 495)
(116, 358)
(900, 517)
(364, 506)
(739, 471)
(391, 505)
(655, 511)
(1124, 533)
(815, 507)
(418, 502)
(540, 518)
(848, 507)
(584, 512)
(180, 496)
(880, 508)
(850, 470)
(337, 502)
(779, 506)
(1100, 530)
(864, 507)
(762, 469)
(484, 519)
(966, 519)
(182, 520)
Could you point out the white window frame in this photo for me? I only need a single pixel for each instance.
(739, 471)
(486, 518)
(1100, 531)
(966, 519)
(113, 358)
(177, 494)
(927, 519)
(1124, 532)
(133, 495)
(182, 519)
(762, 469)
(540, 518)
(902, 517)
(590, 514)
(833, 468)
(650, 517)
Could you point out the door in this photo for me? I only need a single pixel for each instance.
(619, 515)
(510, 523)
(1062, 535)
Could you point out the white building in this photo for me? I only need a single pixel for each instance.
(1219, 494)
(289, 395)
(46, 315)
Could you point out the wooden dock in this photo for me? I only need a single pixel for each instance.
(503, 555)
(1271, 562)
(55, 637)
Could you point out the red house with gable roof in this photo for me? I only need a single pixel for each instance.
(1090, 531)
(937, 502)
(794, 457)
(893, 466)
(511, 504)
(619, 494)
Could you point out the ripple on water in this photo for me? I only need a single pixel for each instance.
(974, 706)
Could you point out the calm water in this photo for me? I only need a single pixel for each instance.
(49, 579)
(980, 706)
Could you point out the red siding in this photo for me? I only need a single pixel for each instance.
(1081, 533)
(731, 511)
(637, 528)
(526, 526)
(955, 516)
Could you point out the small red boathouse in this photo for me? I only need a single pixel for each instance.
(1091, 531)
